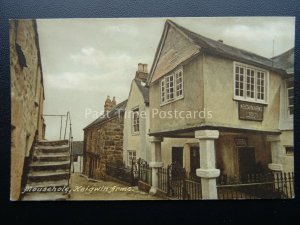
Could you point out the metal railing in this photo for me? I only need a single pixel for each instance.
(68, 127)
(257, 186)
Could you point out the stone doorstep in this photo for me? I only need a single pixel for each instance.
(50, 167)
(49, 149)
(48, 176)
(48, 173)
(50, 164)
(53, 143)
(51, 157)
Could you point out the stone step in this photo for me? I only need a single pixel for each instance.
(53, 143)
(55, 165)
(52, 149)
(45, 196)
(58, 157)
(48, 175)
(41, 184)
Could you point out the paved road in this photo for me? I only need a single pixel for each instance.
(84, 189)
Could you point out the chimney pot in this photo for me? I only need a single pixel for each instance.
(140, 67)
(145, 68)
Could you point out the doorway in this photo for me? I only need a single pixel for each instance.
(194, 160)
(246, 161)
(177, 156)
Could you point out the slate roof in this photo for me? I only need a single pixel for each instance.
(223, 49)
(77, 148)
(112, 113)
(219, 48)
(285, 61)
(143, 89)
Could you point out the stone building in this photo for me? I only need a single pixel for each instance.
(27, 98)
(228, 99)
(103, 140)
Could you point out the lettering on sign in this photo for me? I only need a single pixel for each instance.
(241, 142)
(251, 111)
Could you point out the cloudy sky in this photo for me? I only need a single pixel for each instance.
(84, 60)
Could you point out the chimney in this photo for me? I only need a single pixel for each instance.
(220, 40)
(142, 72)
(108, 104)
(113, 102)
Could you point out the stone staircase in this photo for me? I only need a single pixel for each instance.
(49, 172)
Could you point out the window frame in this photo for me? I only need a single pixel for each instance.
(129, 161)
(245, 97)
(288, 106)
(133, 121)
(164, 85)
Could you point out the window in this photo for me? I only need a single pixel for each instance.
(290, 96)
(131, 157)
(250, 83)
(171, 87)
(289, 150)
(179, 83)
(136, 121)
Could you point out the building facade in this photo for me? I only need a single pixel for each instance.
(226, 98)
(27, 98)
(136, 141)
(103, 140)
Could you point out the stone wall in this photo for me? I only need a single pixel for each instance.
(27, 97)
(104, 141)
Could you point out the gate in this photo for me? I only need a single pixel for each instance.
(179, 184)
(176, 181)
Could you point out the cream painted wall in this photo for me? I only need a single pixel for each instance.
(136, 142)
(218, 96)
(192, 100)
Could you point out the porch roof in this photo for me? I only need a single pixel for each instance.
(188, 132)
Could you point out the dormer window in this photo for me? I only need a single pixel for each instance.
(250, 83)
(171, 87)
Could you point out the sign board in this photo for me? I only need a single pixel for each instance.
(241, 142)
(251, 111)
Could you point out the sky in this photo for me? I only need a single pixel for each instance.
(85, 60)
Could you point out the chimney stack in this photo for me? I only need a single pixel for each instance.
(109, 104)
(142, 72)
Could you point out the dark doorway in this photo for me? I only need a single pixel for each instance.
(247, 162)
(194, 160)
(177, 156)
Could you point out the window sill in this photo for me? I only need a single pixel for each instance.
(249, 100)
(174, 100)
(135, 133)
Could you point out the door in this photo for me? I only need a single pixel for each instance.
(194, 160)
(177, 156)
(247, 162)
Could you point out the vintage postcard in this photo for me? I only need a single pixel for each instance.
(152, 108)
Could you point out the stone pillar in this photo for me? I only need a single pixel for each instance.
(276, 152)
(207, 171)
(156, 161)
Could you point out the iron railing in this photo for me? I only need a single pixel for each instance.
(68, 127)
(257, 186)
